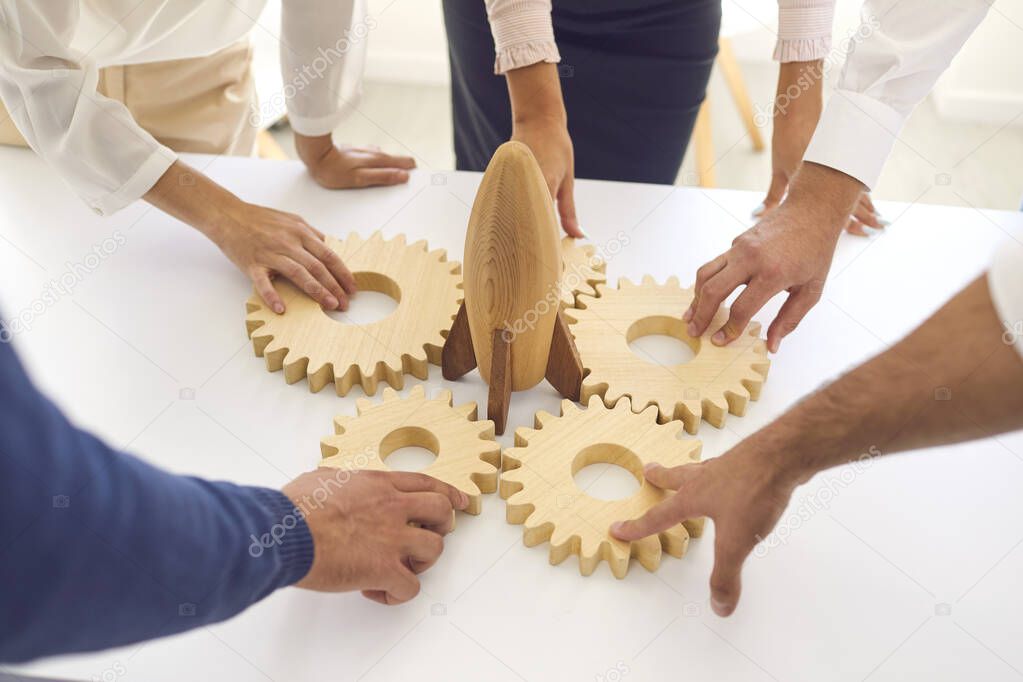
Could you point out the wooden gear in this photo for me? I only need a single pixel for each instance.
(306, 342)
(582, 271)
(717, 380)
(468, 458)
(541, 494)
(510, 324)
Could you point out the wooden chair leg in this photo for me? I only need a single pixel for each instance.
(737, 85)
(704, 146)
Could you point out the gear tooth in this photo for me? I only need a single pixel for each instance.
(568, 407)
(511, 458)
(753, 329)
(675, 541)
(648, 280)
(648, 552)
(342, 423)
(443, 396)
(364, 405)
(327, 448)
(571, 315)
(522, 436)
(418, 392)
(420, 245)
(625, 283)
(468, 410)
(543, 418)
(390, 394)
(399, 240)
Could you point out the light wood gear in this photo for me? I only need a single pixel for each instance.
(541, 493)
(582, 271)
(305, 342)
(719, 379)
(468, 458)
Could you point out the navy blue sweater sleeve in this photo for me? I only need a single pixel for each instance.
(99, 549)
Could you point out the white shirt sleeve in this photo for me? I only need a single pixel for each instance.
(894, 59)
(50, 93)
(1005, 281)
(323, 52)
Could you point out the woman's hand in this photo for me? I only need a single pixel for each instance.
(346, 167)
(795, 119)
(742, 491)
(262, 242)
(552, 147)
(539, 121)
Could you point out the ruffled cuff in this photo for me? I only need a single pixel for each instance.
(518, 56)
(802, 50)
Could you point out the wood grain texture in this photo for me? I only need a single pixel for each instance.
(513, 264)
(306, 343)
(468, 458)
(718, 380)
(541, 493)
(582, 270)
(499, 396)
(457, 356)
(564, 367)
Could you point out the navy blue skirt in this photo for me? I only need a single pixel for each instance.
(633, 73)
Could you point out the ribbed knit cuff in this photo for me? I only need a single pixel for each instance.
(292, 540)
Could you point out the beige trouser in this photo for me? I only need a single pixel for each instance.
(191, 105)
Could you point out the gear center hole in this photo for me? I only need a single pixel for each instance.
(378, 296)
(662, 340)
(607, 471)
(409, 448)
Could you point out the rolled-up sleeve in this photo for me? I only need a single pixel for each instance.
(804, 30)
(894, 59)
(323, 53)
(49, 90)
(523, 33)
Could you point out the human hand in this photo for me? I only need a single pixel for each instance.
(363, 533)
(264, 242)
(788, 250)
(345, 167)
(550, 143)
(794, 122)
(739, 491)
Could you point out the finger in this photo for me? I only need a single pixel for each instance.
(855, 227)
(726, 578)
(669, 478)
(423, 548)
(866, 216)
(325, 277)
(378, 159)
(302, 278)
(867, 201)
(792, 312)
(660, 517)
(432, 511)
(378, 596)
(703, 275)
(751, 300)
(401, 585)
(337, 267)
(712, 294)
(413, 482)
(265, 288)
(566, 208)
(375, 177)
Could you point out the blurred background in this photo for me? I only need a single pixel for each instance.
(962, 146)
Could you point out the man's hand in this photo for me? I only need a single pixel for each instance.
(795, 119)
(742, 495)
(374, 532)
(346, 167)
(539, 121)
(789, 250)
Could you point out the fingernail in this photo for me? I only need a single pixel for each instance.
(882, 222)
(720, 608)
(616, 527)
(692, 328)
(331, 303)
(718, 338)
(651, 466)
(464, 499)
(689, 314)
(279, 308)
(759, 210)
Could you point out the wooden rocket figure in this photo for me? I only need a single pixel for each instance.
(510, 324)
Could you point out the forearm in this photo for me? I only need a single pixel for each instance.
(195, 200)
(535, 93)
(952, 379)
(88, 530)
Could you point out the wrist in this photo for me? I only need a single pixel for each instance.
(312, 150)
(827, 194)
(535, 93)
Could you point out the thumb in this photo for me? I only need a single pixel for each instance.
(725, 579)
(566, 208)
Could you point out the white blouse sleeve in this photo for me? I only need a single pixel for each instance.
(323, 52)
(523, 33)
(92, 142)
(804, 30)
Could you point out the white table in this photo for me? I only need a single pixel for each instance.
(907, 570)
